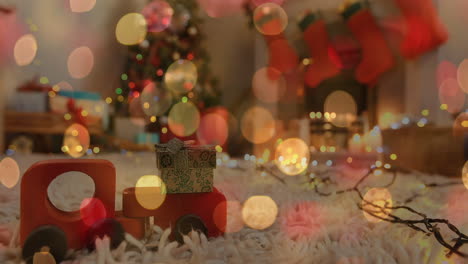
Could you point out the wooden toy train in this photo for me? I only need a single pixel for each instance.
(43, 225)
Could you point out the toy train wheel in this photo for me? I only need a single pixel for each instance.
(187, 224)
(106, 227)
(45, 236)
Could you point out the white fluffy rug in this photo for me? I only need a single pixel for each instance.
(333, 230)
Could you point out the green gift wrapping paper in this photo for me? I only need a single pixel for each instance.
(185, 168)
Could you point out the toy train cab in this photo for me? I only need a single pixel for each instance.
(43, 225)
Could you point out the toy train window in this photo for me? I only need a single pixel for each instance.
(69, 189)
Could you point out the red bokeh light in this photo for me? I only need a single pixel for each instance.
(92, 210)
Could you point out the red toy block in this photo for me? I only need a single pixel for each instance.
(210, 207)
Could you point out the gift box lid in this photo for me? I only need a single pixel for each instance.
(176, 153)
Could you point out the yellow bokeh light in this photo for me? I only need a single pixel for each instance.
(80, 62)
(164, 130)
(153, 119)
(343, 105)
(25, 50)
(181, 76)
(150, 191)
(108, 100)
(80, 6)
(259, 212)
(465, 174)
(131, 29)
(184, 119)
(76, 140)
(292, 156)
(258, 125)
(393, 156)
(460, 125)
(156, 99)
(270, 19)
(377, 202)
(9, 172)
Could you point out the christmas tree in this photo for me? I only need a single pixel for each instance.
(170, 65)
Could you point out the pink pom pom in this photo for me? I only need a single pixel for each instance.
(303, 220)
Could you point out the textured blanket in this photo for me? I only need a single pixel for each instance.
(309, 228)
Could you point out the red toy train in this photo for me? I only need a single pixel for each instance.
(43, 225)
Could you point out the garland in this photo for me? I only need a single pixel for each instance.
(427, 225)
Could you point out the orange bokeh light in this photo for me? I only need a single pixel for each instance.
(375, 199)
(213, 130)
(268, 85)
(9, 172)
(259, 212)
(80, 6)
(25, 50)
(258, 125)
(80, 62)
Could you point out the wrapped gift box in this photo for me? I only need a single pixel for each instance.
(91, 102)
(186, 168)
(31, 102)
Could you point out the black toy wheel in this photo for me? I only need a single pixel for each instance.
(106, 227)
(187, 224)
(45, 236)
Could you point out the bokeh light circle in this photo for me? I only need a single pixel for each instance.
(131, 29)
(445, 70)
(158, 15)
(181, 76)
(260, 2)
(258, 125)
(150, 191)
(155, 99)
(268, 85)
(451, 94)
(270, 19)
(259, 212)
(460, 125)
(76, 140)
(465, 174)
(80, 62)
(25, 50)
(216, 8)
(9, 172)
(184, 119)
(462, 75)
(80, 6)
(380, 197)
(213, 129)
(233, 211)
(292, 156)
(344, 105)
(92, 210)
(63, 86)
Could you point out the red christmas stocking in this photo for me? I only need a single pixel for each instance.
(424, 31)
(377, 57)
(325, 61)
(281, 55)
